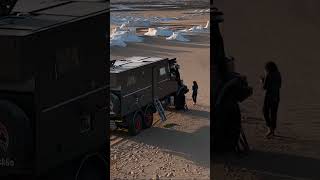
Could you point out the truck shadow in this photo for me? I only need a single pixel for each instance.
(275, 165)
(194, 111)
(192, 146)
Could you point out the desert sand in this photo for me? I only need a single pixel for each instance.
(286, 32)
(178, 148)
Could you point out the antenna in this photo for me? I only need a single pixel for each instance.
(6, 7)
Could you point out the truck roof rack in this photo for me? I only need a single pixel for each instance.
(31, 16)
(120, 65)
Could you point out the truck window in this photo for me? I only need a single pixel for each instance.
(67, 59)
(163, 71)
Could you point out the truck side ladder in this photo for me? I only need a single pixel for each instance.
(159, 108)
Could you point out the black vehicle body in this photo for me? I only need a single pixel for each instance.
(53, 84)
(135, 82)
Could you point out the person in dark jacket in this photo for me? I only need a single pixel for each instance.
(180, 102)
(271, 84)
(194, 92)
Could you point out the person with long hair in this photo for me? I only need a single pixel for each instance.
(271, 84)
(194, 92)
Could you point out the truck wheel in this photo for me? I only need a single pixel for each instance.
(93, 167)
(135, 124)
(148, 117)
(15, 133)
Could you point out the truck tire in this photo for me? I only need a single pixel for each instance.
(148, 116)
(92, 167)
(15, 134)
(135, 123)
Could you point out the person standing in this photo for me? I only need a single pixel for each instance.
(180, 99)
(271, 84)
(194, 92)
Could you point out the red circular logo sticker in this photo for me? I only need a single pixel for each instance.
(4, 138)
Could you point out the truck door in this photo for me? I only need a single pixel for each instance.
(162, 78)
(154, 81)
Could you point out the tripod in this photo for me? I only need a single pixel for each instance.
(242, 147)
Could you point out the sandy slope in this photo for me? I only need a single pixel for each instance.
(182, 151)
(178, 152)
(193, 56)
(288, 33)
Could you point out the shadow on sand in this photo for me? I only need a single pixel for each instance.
(198, 113)
(276, 165)
(192, 146)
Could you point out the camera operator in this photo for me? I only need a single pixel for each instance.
(227, 119)
(229, 88)
(180, 96)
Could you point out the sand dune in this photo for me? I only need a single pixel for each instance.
(171, 153)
